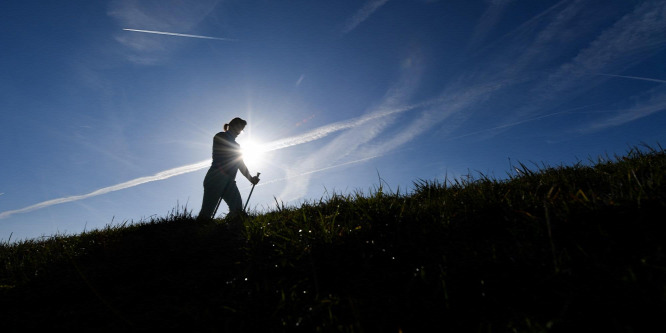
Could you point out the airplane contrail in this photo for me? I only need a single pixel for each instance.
(323, 131)
(134, 182)
(318, 170)
(179, 35)
(635, 78)
(313, 135)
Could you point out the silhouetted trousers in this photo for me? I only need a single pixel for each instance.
(217, 184)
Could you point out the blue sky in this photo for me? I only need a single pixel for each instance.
(109, 107)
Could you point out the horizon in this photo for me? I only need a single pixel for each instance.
(110, 108)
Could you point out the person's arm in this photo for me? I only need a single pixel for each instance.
(243, 169)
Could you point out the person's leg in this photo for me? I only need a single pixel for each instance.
(214, 184)
(233, 199)
(210, 199)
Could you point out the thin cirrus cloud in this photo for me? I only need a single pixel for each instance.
(366, 130)
(636, 35)
(455, 104)
(362, 14)
(632, 36)
(488, 20)
(634, 78)
(654, 102)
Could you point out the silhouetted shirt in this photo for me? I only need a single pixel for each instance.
(226, 154)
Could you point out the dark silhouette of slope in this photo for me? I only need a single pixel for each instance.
(560, 249)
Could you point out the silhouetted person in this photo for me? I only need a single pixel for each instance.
(220, 181)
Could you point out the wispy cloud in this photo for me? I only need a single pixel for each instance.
(536, 47)
(318, 170)
(535, 60)
(452, 107)
(178, 35)
(529, 41)
(387, 127)
(351, 144)
(516, 123)
(324, 131)
(487, 21)
(300, 79)
(635, 78)
(654, 101)
(635, 36)
(163, 15)
(363, 14)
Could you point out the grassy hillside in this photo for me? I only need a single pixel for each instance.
(552, 250)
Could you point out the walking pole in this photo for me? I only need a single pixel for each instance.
(216, 207)
(218, 201)
(248, 197)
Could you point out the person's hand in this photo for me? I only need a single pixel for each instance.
(254, 180)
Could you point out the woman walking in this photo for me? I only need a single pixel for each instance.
(220, 181)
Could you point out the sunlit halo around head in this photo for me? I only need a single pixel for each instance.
(252, 154)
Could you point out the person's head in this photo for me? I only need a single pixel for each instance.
(235, 126)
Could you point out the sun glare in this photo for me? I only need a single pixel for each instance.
(252, 154)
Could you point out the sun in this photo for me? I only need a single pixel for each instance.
(252, 154)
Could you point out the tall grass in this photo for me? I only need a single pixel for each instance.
(554, 249)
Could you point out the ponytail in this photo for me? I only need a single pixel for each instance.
(234, 122)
